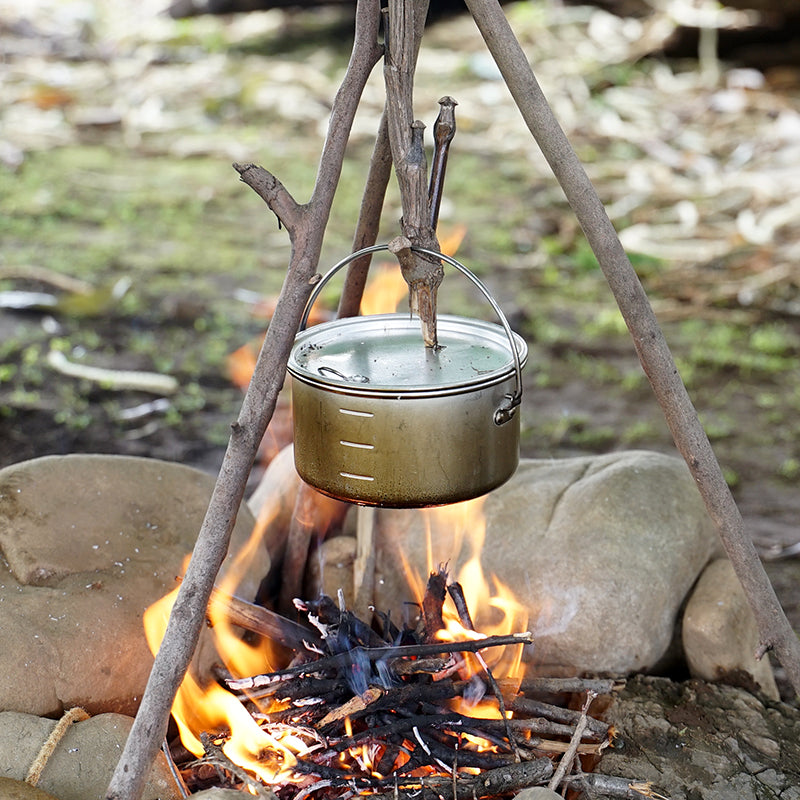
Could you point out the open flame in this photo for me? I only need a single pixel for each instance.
(208, 707)
(499, 613)
(270, 750)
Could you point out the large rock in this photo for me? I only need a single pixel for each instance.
(601, 550)
(719, 630)
(89, 542)
(19, 790)
(83, 760)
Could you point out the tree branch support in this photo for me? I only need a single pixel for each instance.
(651, 346)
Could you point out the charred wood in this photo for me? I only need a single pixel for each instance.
(555, 713)
(433, 603)
(376, 654)
(503, 780)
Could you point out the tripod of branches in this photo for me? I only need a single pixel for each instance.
(398, 143)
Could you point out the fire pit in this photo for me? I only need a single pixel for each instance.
(427, 705)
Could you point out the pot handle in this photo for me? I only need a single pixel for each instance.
(507, 410)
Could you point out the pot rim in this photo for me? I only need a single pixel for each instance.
(352, 331)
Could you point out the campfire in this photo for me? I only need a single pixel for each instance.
(413, 699)
(418, 698)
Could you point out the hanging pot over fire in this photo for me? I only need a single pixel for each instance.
(380, 419)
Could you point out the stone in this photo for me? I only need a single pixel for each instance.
(719, 631)
(538, 793)
(600, 550)
(82, 763)
(19, 790)
(700, 741)
(89, 542)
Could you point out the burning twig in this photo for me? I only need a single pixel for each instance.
(378, 654)
(264, 622)
(354, 706)
(369, 717)
(433, 603)
(459, 601)
(457, 594)
(215, 755)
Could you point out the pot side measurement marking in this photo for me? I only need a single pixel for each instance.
(359, 445)
(356, 477)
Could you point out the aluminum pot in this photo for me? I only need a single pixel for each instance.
(379, 419)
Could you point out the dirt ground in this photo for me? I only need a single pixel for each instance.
(117, 133)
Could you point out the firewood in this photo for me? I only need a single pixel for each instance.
(377, 653)
(353, 706)
(433, 603)
(504, 780)
(529, 707)
(264, 622)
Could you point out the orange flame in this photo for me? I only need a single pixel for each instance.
(270, 754)
(211, 708)
(270, 750)
(496, 611)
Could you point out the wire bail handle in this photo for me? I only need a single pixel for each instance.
(506, 411)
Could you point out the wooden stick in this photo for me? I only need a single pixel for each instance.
(305, 225)
(651, 346)
(364, 563)
(456, 593)
(422, 274)
(569, 685)
(302, 529)
(264, 622)
(433, 602)
(444, 129)
(214, 754)
(369, 220)
(614, 786)
(378, 653)
(566, 760)
(501, 781)
(536, 708)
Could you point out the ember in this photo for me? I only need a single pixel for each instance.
(379, 709)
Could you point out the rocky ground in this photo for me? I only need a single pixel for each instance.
(119, 208)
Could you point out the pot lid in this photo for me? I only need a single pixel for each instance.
(385, 353)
